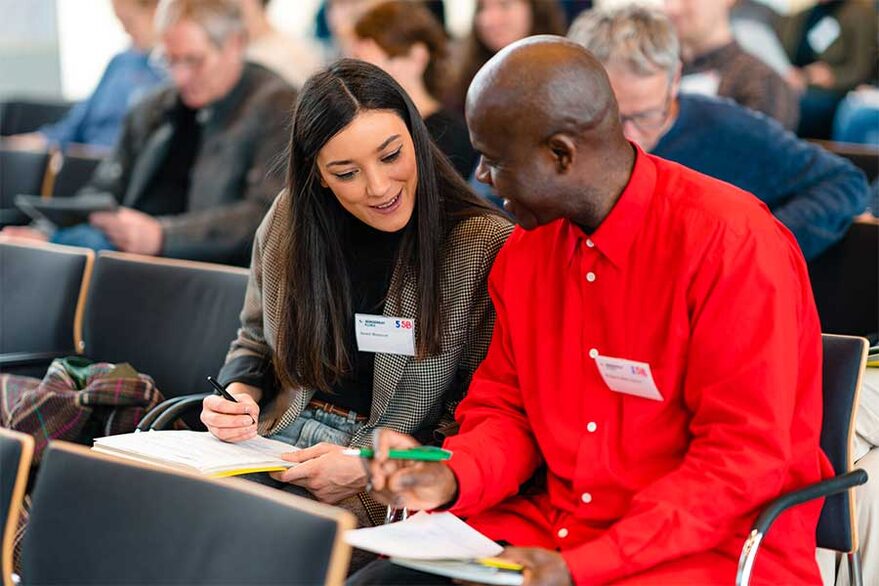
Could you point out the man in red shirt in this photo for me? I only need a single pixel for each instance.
(656, 360)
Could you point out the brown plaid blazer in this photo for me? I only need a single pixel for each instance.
(415, 397)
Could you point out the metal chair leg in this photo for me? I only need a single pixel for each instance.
(854, 569)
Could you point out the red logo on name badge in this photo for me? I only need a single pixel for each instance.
(639, 371)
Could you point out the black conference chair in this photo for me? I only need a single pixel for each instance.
(27, 115)
(845, 281)
(16, 453)
(845, 358)
(99, 520)
(43, 289)
(171, 319)
(20, 172)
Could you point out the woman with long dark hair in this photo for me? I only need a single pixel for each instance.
(367, 304)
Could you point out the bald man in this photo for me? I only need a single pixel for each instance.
(654, 375)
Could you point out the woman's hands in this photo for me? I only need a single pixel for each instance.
(326, 472)
(232, 422)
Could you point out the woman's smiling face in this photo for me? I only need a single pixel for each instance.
(370, 167)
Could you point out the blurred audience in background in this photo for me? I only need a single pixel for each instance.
(97, 121)
(407, 41)
(291, 58)
(496, 24)
(716, 65)
(192, 169)
(814, 193)
(832, 47)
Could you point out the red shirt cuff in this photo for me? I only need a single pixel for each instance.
(469, 477)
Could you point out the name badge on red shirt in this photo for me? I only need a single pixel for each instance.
(628, 376)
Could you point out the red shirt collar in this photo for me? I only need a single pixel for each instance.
(615, 235)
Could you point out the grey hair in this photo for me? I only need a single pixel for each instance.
(639, 38)
(220, 19)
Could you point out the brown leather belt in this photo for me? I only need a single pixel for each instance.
(330, 408)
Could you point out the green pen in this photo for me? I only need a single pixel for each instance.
(421, 453)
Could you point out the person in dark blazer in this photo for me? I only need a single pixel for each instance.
(374, 228)
(191, 171)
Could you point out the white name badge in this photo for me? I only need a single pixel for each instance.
(705, 83)
(628, 376)
(823, 34)
(388, 335)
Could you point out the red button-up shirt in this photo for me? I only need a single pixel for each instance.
(697, 279)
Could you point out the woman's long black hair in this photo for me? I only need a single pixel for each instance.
(317, 307)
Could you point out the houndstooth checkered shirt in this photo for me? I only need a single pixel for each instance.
(409, 396)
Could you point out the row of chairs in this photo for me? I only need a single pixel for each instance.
(95, 519)
(170, 319)
(49, 174)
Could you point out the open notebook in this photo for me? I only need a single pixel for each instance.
(438, 543)
(198, 451)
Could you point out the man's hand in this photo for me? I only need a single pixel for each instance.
(542, 566)
(23, 233)
(820, 75)
(420, 486)
(325, 472)
(130, 230)
(228, 421)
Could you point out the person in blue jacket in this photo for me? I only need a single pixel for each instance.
(97, 121)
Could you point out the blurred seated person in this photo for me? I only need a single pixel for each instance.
(496, 24)
(715, 64)
(191, 171)
(406, 40)
(857, 118)
(97, 121)
(832, 46)
(812, 192)
(293, 59)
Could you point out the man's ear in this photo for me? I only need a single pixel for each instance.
(562, 148)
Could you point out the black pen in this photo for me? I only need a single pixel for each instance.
(224, 393)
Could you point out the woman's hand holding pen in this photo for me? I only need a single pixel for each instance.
(325, 471)
(228, 421)
(404, 483)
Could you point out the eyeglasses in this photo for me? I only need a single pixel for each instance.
(650, 120)
(159, 59)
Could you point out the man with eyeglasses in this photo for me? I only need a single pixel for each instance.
(192, 170)
(814, 193)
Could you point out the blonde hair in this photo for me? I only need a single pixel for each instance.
(639, 38)
(219, 18)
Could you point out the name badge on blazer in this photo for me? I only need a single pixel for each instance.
(387, 335)
(628, 376)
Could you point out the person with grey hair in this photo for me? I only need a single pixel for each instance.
(191, 170)
(814, 193)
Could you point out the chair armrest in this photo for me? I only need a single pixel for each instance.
(152, 414)
(175, 411)
(17, 359)
(771, 512)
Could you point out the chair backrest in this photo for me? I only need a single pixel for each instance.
(16, 453)
(74, 172)
(845, 358)
(173, 320)
(18, 116)
(845, 281)
(97, 520)
(43, 295)
(20, 172)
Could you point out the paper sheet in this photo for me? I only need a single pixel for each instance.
(425, 536)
